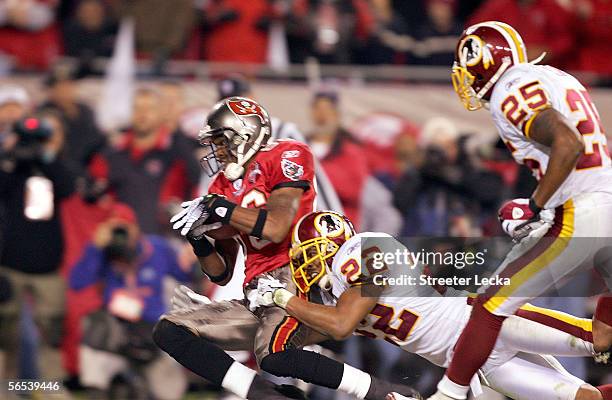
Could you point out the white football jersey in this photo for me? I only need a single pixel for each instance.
(428, 324)
(520, 94)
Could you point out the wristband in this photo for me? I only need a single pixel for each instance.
(223, 209)
(534, 207)
(219, 278)
(259, 224)
(281, 297)
(201, 247)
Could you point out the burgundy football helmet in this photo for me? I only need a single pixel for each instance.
(484, 52)
(238, 127)
(316, 239)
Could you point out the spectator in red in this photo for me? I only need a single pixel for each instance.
(595, 35)
(235, 31)
(28, 32)
(365, 199)
(544, 25)
(144, 170)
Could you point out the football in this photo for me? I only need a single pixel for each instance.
(225, 232)
(229, 249)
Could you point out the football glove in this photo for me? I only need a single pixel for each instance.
(192, 219)
(270, 291)
(520, 217)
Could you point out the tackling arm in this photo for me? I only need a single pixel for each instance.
(552, 130)
(338, 321)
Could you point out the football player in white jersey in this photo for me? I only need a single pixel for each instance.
(549, 123)
(419, 319)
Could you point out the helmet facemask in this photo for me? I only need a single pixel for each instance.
(309, 262)
(462, 83)
(221, 149)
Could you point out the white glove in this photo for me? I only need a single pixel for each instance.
(193, 211)
(264, 295)
(187, 298)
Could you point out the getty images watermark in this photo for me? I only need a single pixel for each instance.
(430, 266)
(415, 261)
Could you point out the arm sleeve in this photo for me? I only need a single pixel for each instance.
(294, 167)
(88, 269)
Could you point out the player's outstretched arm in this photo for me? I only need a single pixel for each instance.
(274, 222)
(339, 321)
(551, 129)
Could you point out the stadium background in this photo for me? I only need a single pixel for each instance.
(384, 63)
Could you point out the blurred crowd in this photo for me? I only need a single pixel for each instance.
(88, 258)
(575, 34)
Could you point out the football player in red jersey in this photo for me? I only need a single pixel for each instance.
(263, 188)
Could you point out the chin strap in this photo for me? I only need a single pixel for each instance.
(325, 283)
(233, 171)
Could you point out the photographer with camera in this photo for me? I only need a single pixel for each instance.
(444, 191)
(132, 268)
(34, 180)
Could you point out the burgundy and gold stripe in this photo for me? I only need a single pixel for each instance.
(541, 255)
(579, 327)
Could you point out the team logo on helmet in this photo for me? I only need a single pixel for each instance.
(474, 51)
(329, 225)
(246, 108)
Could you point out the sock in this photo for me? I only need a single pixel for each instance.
(306, 365)
(474, 345)
(355, 382)
(603, 311)
(606, 391)
(452, 389)
(238, 379)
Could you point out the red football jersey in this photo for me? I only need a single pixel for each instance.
(281, 163)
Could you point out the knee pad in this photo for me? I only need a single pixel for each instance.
(170, 337)
(276, 363)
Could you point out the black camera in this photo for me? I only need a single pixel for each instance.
(31, 133)
(435, 156)
(119, 249)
